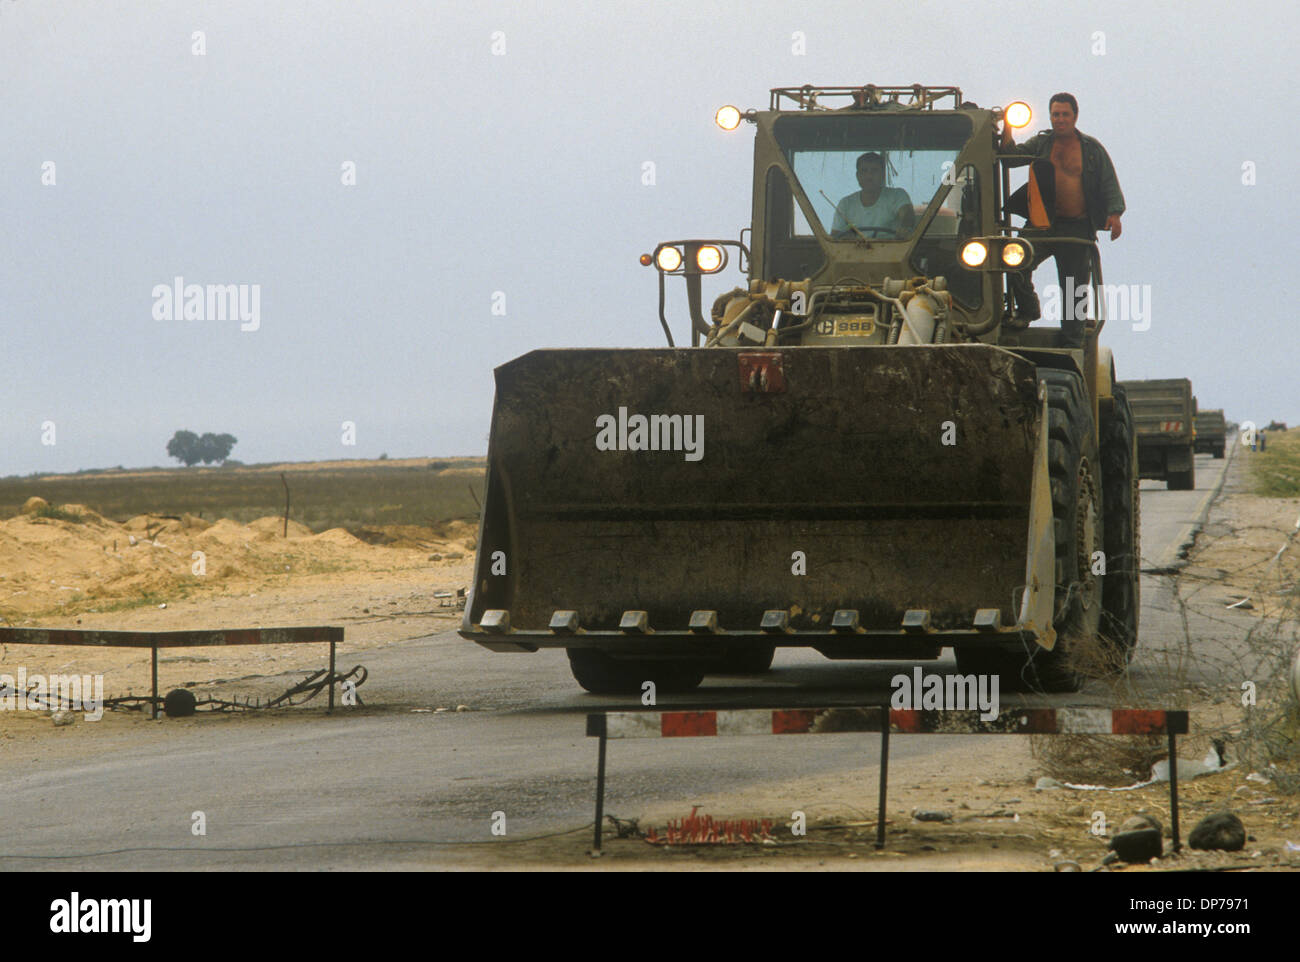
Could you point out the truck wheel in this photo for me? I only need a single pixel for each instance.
(1182, 480)
(744, 660)
(1121, 589)
(1076, 513)
(601, 674)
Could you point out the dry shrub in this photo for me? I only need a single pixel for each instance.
(1111, 760)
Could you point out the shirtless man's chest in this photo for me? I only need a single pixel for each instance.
(1067, 158)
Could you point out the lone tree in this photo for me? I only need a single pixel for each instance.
(189, 448)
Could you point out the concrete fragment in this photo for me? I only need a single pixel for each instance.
(1141, 821)
(925, 815)
(1140, 845)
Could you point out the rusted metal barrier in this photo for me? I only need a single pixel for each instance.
(177, 639)
(885, 720)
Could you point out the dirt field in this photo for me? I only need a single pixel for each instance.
(139, 575)
(155, 574)
(323, 495)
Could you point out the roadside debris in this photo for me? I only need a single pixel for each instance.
(703, 830)
(1140, 839)
(1223, 831)
(924, 815)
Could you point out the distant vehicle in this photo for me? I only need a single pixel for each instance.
(1164, 413)
(1211, 432)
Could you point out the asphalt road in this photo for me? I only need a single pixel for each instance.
(393, 785)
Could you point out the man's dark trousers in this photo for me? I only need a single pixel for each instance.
(1073, 273)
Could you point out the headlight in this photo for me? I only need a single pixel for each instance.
(1017, 114)
(974, 254)
(668, 259)
(1013, 254)
(708, 259)
(728, 117)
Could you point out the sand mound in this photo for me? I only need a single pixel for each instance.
(225, 532)
(275, 527)
(339, 536)
(52, 567)
(455, 531)
(144, 524)
(34, 504)
(86, 515)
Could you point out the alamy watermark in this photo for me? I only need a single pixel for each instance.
(923, 692)
(654, 432)
(83, 693)
(76, 915)
(179, 301)
(1124, 302)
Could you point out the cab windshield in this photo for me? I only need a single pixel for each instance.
(871, 176)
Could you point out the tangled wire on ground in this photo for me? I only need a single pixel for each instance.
(1241, 674)
(299, 694)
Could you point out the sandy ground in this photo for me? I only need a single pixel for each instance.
(96, 574)
(382, 595)
(999, 822)
(1247, 553)
(470, 466)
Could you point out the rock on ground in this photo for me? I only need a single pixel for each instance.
(1222, 831)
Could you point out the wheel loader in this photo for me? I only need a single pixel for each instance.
(862, 450)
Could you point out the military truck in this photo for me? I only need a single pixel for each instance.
(857, 453)
(1211, 432)
(1164, 411)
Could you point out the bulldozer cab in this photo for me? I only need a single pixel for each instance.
(814, 219)
(856, 185)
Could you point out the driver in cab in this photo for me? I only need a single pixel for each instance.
(875, 210)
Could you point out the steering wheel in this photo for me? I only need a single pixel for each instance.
(851, 232)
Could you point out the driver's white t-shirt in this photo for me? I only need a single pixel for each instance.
(883, 213)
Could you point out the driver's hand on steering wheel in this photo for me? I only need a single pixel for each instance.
(868, 232)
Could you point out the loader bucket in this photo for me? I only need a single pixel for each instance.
(643, 499)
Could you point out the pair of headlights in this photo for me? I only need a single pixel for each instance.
(1011, 252)
(707, 258)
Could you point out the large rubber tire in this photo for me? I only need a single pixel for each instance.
(1073, 462)
(602, 674)
(744, 660)
(1122, 586)
(1182, 480)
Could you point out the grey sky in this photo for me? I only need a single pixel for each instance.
(521, 172)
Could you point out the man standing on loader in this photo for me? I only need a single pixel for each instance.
(1088, 199)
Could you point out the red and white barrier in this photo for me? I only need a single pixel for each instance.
(825, 721)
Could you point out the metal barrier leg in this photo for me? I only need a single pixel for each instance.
(330, 709)
(600, 786)
(884, 775)
(154, 703)
(1173, 790)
